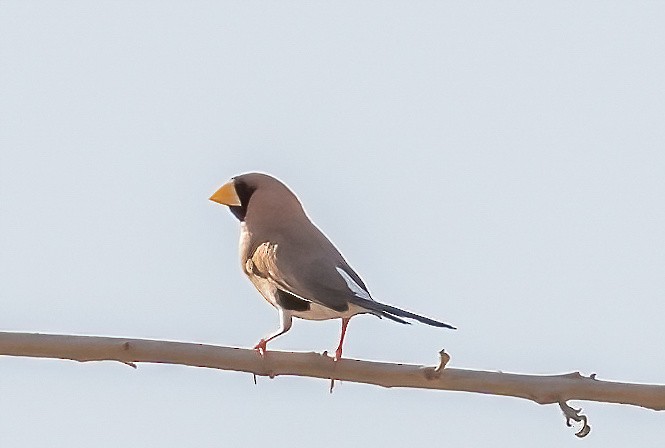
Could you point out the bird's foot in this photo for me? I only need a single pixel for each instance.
(261, 347)
(338, 354)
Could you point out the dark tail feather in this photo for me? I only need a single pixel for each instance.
(391, 317)
(393, 313)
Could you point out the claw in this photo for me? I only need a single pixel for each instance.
(261, 347)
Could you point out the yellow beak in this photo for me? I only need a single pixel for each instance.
(226, 195)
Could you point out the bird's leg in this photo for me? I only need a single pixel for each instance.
(338, 352)
(285, 324)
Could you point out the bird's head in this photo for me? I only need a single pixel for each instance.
(268, 192)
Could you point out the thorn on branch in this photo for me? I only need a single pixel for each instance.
(433, 373)
(332, 380)
(575, 414)
(443, 360)
(130, 364)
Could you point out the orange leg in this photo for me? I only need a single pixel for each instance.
(338, 353)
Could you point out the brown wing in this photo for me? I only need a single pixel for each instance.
(310, 277)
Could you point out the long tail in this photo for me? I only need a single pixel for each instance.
(393, 313)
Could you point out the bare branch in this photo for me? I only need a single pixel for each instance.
(542, 389)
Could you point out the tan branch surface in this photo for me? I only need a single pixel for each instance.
(541, 389)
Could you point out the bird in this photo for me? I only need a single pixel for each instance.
(292, 263)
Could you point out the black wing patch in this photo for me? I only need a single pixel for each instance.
(290, 302)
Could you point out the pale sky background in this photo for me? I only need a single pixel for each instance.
(497, 165)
